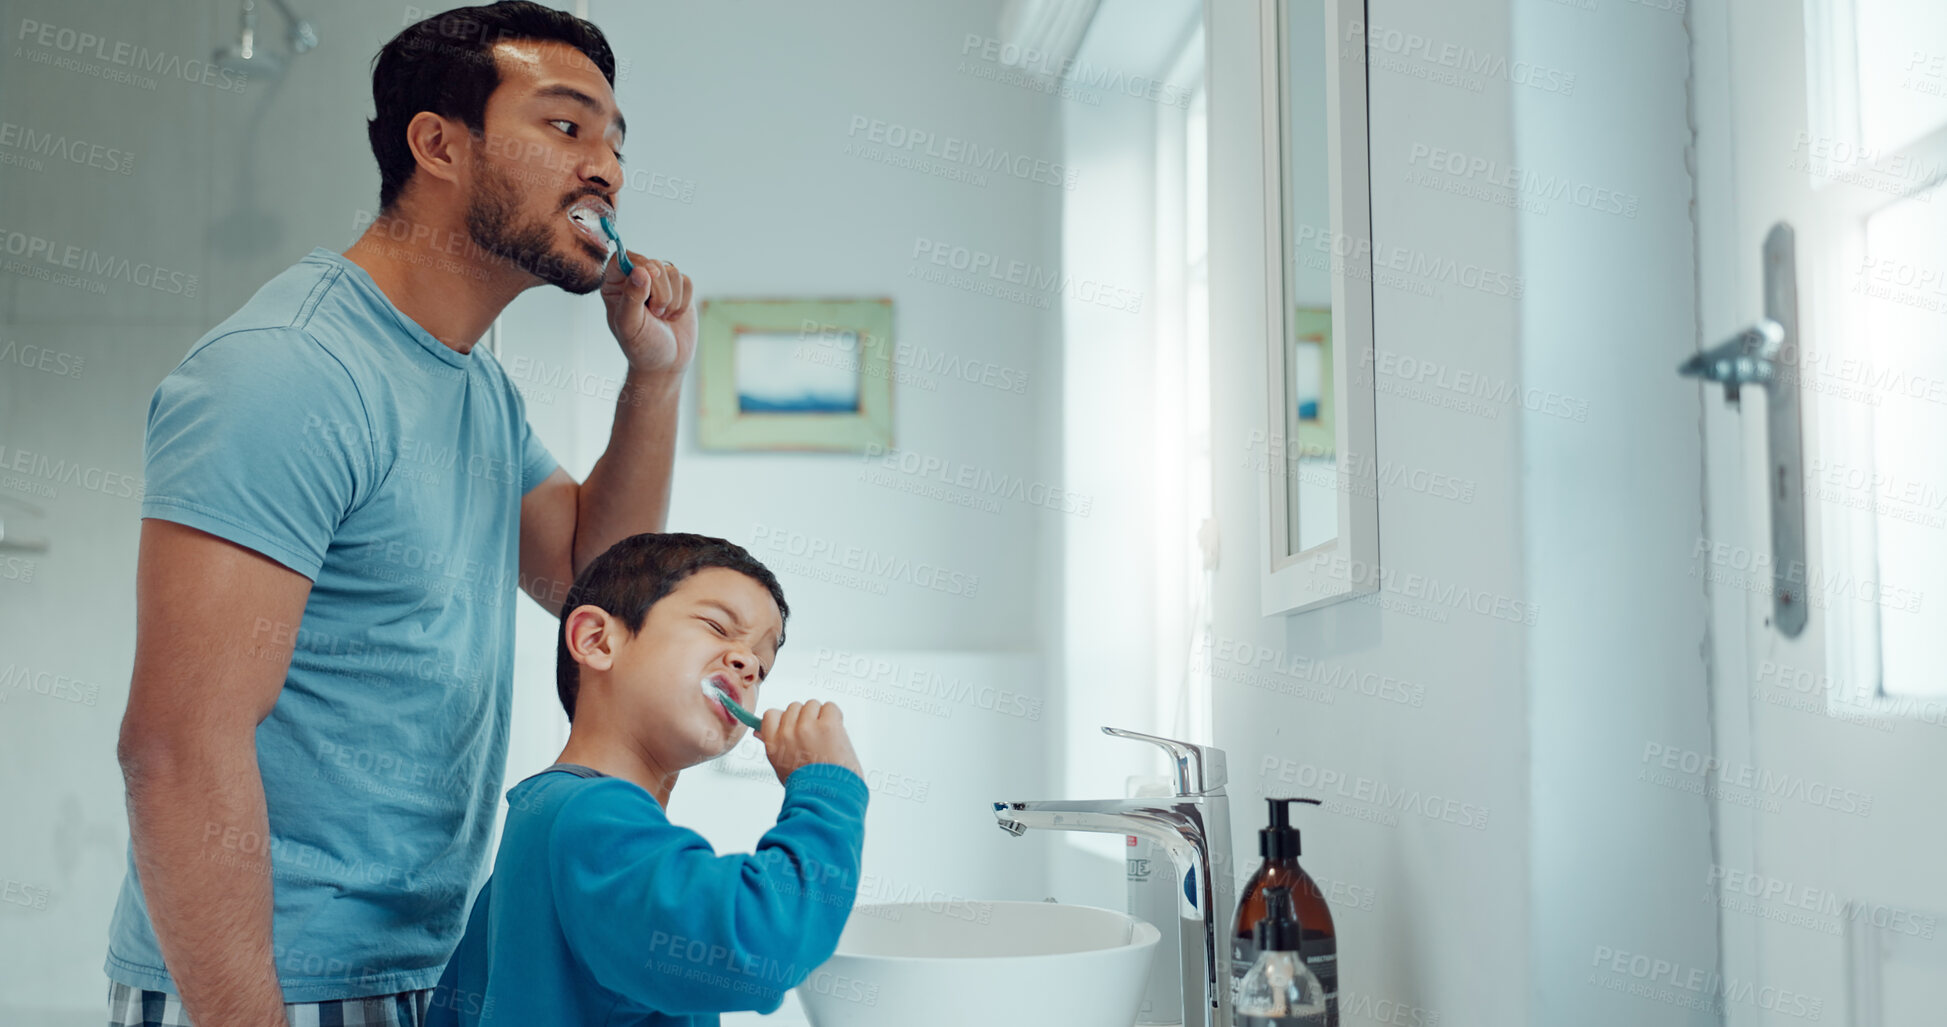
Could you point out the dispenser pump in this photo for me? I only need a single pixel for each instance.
(1279, 930)
(1279, 840)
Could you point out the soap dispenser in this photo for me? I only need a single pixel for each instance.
(1279, 844)
(1279, 990)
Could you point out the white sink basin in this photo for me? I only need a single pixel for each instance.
(982, 964)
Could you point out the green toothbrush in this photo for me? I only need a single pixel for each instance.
(749, 719)
(621, 251)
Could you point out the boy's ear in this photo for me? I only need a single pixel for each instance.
(591, 634)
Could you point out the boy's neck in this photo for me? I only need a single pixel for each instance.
(618, 757)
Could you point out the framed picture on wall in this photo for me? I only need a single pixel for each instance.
(779, 374)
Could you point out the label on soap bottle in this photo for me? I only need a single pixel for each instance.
(1153, 897)
(1321, 956)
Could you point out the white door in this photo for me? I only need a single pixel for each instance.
(1829, 770)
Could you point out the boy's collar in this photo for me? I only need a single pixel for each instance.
(572, 768)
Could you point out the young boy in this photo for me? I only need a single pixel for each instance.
(601, 911)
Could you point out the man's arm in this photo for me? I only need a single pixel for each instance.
(565, 525)
(214, 628)
(627, 491)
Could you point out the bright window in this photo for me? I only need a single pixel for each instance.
(1183, 487)
(1878, 132)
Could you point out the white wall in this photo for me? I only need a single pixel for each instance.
(760, 122)
(1432, 916)
(1611, 503)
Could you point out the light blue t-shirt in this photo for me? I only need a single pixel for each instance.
(602, 913)
(323, 428)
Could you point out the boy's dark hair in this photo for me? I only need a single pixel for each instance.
(636, 572)
(445, 64)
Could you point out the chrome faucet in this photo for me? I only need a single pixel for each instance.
(1193, 826)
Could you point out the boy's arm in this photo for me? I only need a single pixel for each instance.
(657, 916)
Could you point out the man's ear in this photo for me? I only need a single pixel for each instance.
(592, 635)
(440, 146)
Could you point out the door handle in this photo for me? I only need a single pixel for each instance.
(1747, 358)
(1762, 356)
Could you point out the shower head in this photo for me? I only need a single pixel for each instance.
(251, 61)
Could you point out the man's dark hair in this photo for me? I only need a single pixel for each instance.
(636, 572)
(445, 64)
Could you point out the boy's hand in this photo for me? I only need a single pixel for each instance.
(806, 732)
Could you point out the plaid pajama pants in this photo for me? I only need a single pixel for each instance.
(134, 1007)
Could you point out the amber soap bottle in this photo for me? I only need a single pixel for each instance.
(1279, 844)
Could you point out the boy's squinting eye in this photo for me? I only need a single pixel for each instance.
(571, 129)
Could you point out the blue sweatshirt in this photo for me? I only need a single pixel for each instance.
(600, 911)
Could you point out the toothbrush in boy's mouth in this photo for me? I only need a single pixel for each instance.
(717, 692)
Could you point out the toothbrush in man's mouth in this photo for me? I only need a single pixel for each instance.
(596, 221)
(717, 692)
(621, 251)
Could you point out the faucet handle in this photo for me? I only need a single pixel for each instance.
(1198, 768)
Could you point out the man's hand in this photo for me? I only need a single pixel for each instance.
(806, 732)
(650, 315)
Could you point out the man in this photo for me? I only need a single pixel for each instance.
(342, 493)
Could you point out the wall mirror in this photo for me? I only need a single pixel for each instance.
(1321, 507)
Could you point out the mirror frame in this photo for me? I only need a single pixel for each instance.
(1348, 565)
